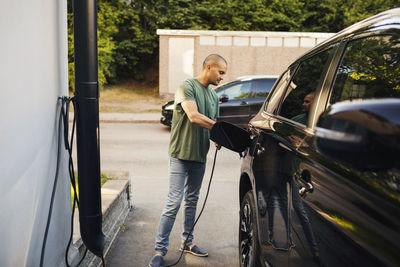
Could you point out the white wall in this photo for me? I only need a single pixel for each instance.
(267, 53)
(181, 61)
(33, 74)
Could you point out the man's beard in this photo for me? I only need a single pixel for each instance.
(216, 82)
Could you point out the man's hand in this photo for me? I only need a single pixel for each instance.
(190, 108)
(217, 146)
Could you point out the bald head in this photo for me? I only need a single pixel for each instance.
(214, 59)
(214, 68)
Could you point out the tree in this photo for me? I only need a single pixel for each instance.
(323, 16)
(128, 43)
(107, 24)
(356, 10)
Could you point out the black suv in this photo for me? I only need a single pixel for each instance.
(240, 100)
(320, 183)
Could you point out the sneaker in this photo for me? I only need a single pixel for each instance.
(157, 261)
(195, 250)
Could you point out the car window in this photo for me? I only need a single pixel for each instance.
(237, 90)
(272, 102)
(261, 87)
(299, 95)
(370, 68)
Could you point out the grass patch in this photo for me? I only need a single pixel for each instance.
(110, 108)
(128, 91)
(155, 110)
(130, 97)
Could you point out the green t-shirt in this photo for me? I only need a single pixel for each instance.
(189, 141)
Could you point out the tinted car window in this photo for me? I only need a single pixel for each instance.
(261, 88)
(300, 92)
(369, 69)
(236, 90)
(273, 99)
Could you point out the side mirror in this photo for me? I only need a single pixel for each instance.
(224, 98)
(365, 134)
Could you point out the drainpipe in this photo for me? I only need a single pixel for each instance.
(87, 127)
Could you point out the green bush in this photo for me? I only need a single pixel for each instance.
(128, 43)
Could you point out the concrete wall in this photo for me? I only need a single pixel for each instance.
(33, 74)
(115, 204)
(266, 53)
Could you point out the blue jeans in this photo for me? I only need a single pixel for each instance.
(185, 178)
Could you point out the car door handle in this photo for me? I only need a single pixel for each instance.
(244, 103)
(259, 149)
(305, 189)
(305, 182)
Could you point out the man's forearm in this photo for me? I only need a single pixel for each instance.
(201, 120)
(190, 108)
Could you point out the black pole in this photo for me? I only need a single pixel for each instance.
(87, 128)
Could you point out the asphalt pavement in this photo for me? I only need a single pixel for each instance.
(138, 143)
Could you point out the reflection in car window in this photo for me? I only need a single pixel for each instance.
(261, 88)
(300, 92)
(237, 91)
(272, 101)
(370, 68)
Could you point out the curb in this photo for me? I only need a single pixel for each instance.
(115, 202)
(125, 117)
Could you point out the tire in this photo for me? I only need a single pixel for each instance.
(249, 251)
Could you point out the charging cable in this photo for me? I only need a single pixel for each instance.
(68, 145)
(53, 192)
(201, 212)
(64, 121)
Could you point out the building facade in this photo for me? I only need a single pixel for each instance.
(260, 53)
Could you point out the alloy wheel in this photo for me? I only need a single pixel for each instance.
(246, 236)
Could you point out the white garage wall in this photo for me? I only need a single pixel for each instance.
(265, 53)
(181, 61)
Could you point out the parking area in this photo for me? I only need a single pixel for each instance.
(142, 149)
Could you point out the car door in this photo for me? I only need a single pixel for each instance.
(355, 213)
(270, 185)
(235, 106)
(275, 160)
(259, 91)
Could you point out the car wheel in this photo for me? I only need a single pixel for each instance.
(248, 235)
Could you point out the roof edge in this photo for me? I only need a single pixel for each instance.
(177, 32)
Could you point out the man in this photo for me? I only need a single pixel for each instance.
(195, 113)
(305, 107)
